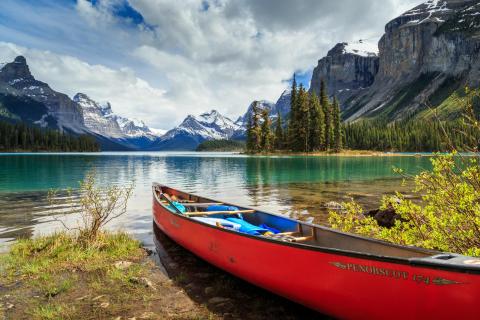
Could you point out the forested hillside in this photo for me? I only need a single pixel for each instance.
(20, 137)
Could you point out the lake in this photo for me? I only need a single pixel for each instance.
(296, 186)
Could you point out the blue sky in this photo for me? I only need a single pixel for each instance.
(160, 60)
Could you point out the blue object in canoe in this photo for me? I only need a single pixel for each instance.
(221, 208)
(248, 227)
(217, 207)
(223, 222)
(178, 205)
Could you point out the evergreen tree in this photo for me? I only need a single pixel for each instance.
(327, 111)
(21, 137)
(302, 122)
(317, 123)
(256, 130)
(266, 132)
(337, 126)
(291, 128)
(249, 143)
(279, 134)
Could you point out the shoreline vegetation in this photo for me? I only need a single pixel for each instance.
(54, 277)
(314, 124)
(19, 137)
(447, 218)
(86, 272)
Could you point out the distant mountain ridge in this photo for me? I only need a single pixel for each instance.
(99, 118)
(23, 98)
(196, 129)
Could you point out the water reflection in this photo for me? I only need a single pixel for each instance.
(295, 186)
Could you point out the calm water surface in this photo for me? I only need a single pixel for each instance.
(294, 186)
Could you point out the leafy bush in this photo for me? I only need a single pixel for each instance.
(98, 206)
(447, 219)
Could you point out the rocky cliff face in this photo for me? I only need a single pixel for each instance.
(96, 117)
(16, 79)
(100, 119)
(347, 69)
(426, 53)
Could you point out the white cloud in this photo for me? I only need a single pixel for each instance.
(187, 60)
(130, 96)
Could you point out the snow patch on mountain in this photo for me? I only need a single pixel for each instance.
(100, 118)
(362, 48)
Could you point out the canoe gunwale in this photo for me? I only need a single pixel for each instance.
(426, 262)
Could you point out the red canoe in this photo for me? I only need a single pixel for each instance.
(339, 274)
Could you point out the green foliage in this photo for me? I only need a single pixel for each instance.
(302, 134)
(221, 145)
(20, 137)
(32, 258)
(292, 123)
(408, 135)
(266, 132)
(337, 126)
(327, 111)
(448, 219)
(279, 134)
(317, 123)
(98, 206)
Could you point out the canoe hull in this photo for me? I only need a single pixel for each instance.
(336, 284)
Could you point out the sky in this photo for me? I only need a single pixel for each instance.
(159, 60)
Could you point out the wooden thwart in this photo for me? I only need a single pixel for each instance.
(208, 213)
(298, 239)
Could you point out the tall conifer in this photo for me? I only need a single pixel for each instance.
(279, 135)
(256, 129)
(302, 121)
(291, 128)
(327, 110)
(337, 126)
(317, 123)
(266, 132)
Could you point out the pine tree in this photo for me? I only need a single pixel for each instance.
(317, 123)
(302, 122)
(292, 126)
(266, 132)
(337, 126)
(279, 134)
(328, 114)
(256, 129)
(249, 143)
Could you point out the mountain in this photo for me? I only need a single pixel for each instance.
(347, 69)
(25, 99)
(196, 129)
(17, 82)
(262, 105)
(424, 56)
(282, 107)
(100, 119)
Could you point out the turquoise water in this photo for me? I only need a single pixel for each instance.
(295, 186)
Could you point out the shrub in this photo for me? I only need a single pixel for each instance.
(448, 218)
(98, 206)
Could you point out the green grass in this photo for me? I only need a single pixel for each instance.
(46, 255)
(52, 311)
(452, 107)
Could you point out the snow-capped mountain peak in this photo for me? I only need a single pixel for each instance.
(210, 125)
(100, 118)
